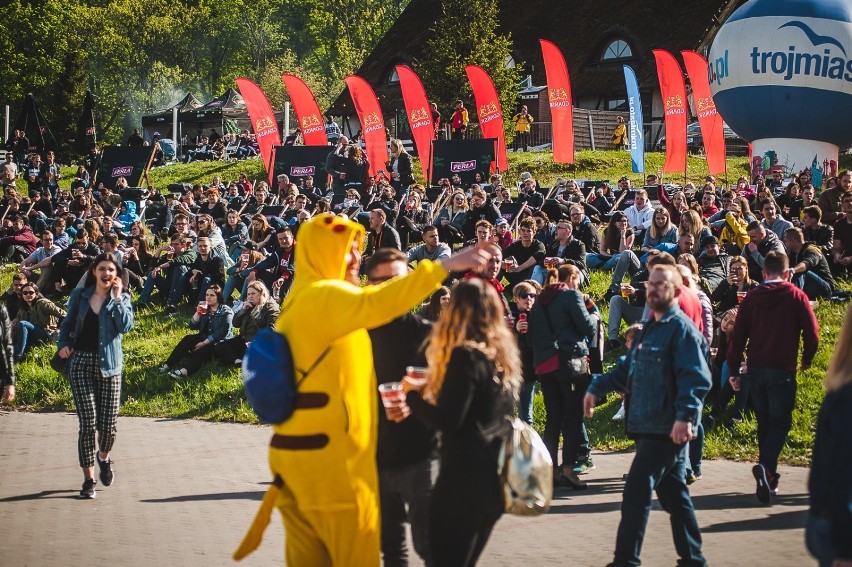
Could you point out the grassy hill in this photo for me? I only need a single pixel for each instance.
(216, 394)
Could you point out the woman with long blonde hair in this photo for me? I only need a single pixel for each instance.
(661, 231)
(830, 484)
(473, 380)
(692, 223)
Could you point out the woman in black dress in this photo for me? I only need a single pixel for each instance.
(474, 377)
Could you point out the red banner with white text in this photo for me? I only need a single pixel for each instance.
(712, 125)
(419, 114)
(488, 110)
(673, 90)
(262, 120)
(561, 103)
(372, 122)
(307, 111)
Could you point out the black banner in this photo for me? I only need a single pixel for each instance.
(32, 122)
(129, 162)
(86, 136)
(463, 158)
(297, 162)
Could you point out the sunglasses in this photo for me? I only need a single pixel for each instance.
(28, 293)
(527, 295)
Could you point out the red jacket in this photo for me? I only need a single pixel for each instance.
(690, 304)
(771, 319)
(24, 238)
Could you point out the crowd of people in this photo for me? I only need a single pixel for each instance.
(730, 276)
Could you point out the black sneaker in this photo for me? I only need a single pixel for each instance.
(106, 475)
(763, 491)
(88, 490)
(611, 345)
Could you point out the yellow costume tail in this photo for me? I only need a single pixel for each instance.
(258, 526)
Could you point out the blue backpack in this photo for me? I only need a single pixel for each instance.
(270, 376)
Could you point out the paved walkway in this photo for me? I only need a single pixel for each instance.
(185, 491)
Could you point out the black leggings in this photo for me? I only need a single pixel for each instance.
(466, 504)
(226, 352)
(230, 350)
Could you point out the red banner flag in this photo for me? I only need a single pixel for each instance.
(262, 119)
(307, 111)
(712, 125)
(673, 91)
(561, 103)
(372, 122)
(419, 114)
(488, 110)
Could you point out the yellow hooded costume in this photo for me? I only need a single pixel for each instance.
(324, 456)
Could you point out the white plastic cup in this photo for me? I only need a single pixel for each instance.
(391, 394)
(416, 375)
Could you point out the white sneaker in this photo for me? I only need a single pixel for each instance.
(619, 415)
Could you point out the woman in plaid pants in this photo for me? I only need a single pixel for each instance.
(99, 313)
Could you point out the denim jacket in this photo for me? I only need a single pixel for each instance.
(115, 319)
(216, 326)
(665, 374)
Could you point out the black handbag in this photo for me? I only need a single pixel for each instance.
(61, 365)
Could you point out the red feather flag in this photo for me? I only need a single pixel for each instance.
(372, 122)
(561, 103)
(673, 90)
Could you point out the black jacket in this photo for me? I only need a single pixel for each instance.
(213, 267)
(486, 212)
(405, 169)
(587, 233)
(395, 346)
(471, 413)
(7, 368)
(574, 252)
(822, 235)
(830, 483)
(388, 238)
(389, 206)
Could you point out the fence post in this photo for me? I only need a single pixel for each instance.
(591, 130)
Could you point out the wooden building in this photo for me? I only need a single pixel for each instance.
(597, 37)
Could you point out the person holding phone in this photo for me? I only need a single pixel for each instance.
(99, 313)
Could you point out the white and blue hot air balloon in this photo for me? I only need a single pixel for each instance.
(781, 76)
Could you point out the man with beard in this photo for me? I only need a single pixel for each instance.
(665, 376)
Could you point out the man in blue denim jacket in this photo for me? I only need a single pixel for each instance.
(666, 377)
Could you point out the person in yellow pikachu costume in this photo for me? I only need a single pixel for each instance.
(324, 456)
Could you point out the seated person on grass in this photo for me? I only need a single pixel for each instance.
(206, 270)
(170, 264)
(212, 319)
(278, 267)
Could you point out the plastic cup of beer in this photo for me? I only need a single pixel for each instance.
(625, 291)
(508, 263)
(392, 396)
(202, 307)
(740, 296)
(713, 352)
(416, 376)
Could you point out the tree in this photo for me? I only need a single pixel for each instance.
(467, 34)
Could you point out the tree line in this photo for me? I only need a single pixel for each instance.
(139, 56)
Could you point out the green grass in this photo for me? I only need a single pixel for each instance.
(215, 394)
